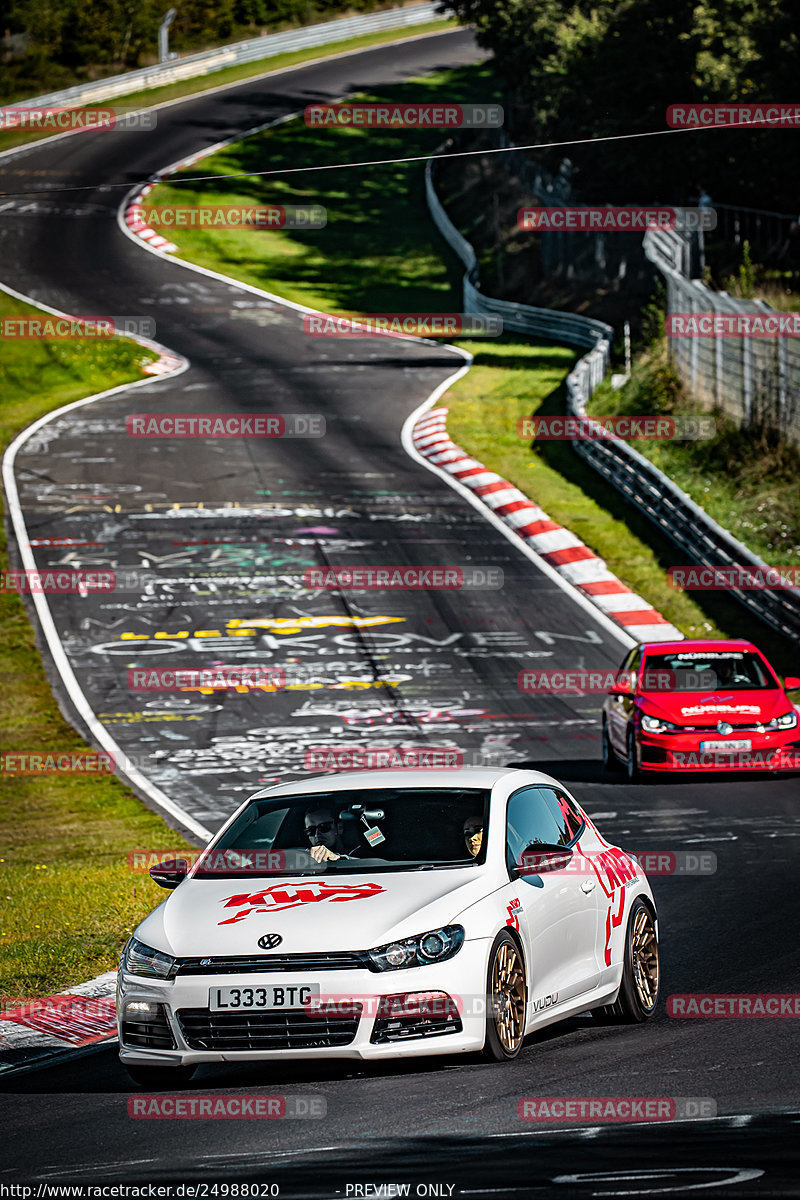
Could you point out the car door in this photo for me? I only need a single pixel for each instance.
(557, 913)
(621, 705)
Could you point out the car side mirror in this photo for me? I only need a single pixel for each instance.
(791, 683)
(170, 873)
(621, 685)
(542, 858)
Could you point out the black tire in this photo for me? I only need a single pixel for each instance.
(159, 1078)
(506, 1000)
(638, 992)
(610, 760)
(632, 771)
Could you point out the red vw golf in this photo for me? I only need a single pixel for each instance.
(700, 705)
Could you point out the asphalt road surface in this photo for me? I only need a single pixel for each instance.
(223, 532)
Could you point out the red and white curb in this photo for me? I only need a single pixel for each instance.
(133, 219)
(34, 1031)
(565, 553)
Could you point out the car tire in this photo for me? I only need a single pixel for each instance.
(159, 1077)
(632, 770)
(506, 1000)
(610, 760)
(638, 992)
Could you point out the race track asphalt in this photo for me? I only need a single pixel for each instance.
(223, 530)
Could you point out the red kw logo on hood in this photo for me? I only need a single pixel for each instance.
(277, 897)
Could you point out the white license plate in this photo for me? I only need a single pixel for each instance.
(262, 997)
(734, 747)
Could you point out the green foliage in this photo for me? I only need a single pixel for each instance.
(597, 68)
(75, 40)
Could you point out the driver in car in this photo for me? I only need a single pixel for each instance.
(325, 832)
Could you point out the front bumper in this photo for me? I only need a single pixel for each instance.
(188, 1035)
(681, 752)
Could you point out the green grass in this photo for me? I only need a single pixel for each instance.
(379, 251)
(744, 478)
(508, 383)
(231, 75)
(67, 898)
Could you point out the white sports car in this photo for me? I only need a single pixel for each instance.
(377, 914)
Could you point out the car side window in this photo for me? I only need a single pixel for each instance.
(567, 817)
(530, 821)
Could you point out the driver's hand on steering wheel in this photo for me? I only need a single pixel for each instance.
(323, 854)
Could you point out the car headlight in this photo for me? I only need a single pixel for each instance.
(656, 725)
(787, 721)
(419, 951)
(138, 959)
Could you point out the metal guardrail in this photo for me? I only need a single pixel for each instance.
(546, 323)
(252, 50)
(674, 513)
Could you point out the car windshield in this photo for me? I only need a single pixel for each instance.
(705, 671)
(369, 829)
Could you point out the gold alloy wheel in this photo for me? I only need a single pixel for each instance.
(644, 950)
(508, 997)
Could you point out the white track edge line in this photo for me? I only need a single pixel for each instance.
(63, 666)
(509, 533)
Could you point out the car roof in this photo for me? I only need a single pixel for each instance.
(700, 644)
(409, 777)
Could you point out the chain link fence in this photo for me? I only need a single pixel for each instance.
(755, 380)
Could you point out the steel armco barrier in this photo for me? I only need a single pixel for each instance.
(673, 512)
(230, 56)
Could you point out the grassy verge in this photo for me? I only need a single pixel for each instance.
(67, 898)
(381, 253)
(744, 478)
(230, 75)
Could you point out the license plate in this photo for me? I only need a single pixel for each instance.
(735, 747)
(262, 997)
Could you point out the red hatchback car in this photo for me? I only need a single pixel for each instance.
(700, 705)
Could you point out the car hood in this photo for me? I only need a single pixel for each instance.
(328, 912)
(704, 708)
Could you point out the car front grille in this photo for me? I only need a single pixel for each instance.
(334, 960)
(293, 1030)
